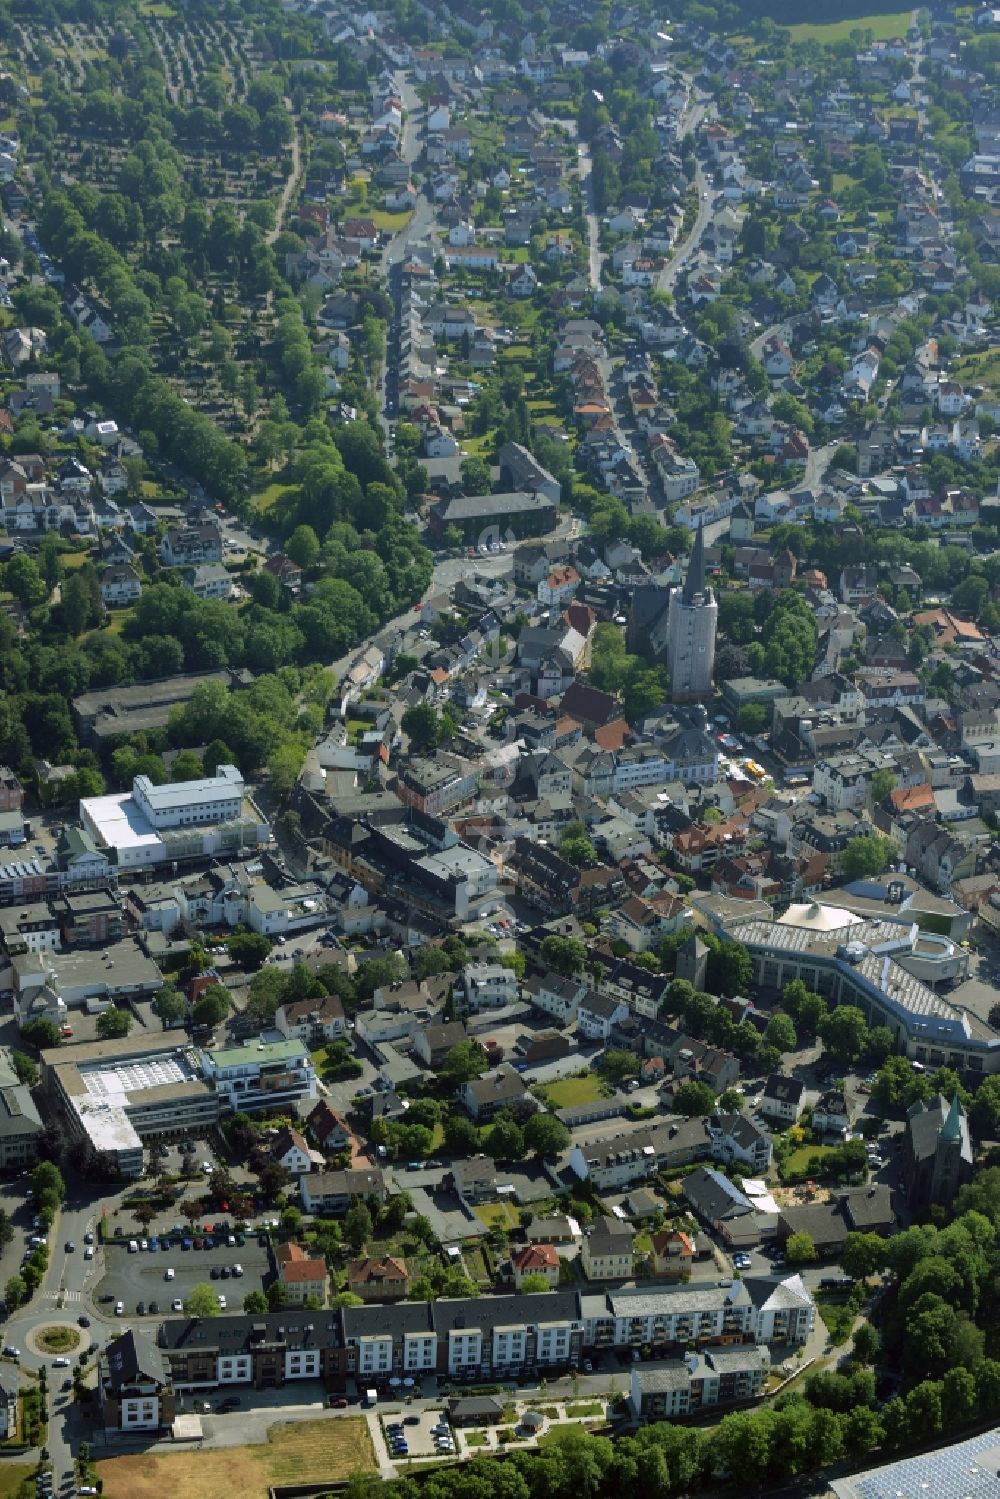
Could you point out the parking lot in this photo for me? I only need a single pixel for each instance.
(416, 1430)
(141, 1277)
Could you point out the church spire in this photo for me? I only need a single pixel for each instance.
(694, 583)
(952, 1127)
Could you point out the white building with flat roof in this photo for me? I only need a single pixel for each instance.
(181, 803)
(179, 821)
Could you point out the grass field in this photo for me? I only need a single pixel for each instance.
(566, 1092)
(295, 1452)
(388, 221)
(12, 1475)
(265, 498)
(894, 23)
(979, 369)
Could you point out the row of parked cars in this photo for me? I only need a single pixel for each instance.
(395, 1435)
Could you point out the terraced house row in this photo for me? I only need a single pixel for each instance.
(465, 1338)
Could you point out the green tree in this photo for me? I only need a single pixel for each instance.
(546, 1135)
(867, 1344)
(25, 1068)
(15, 1292)
(780, 1032)
(425, 727)
(47, 1183)
(693, 1099)
(863, 1255)
(255, 1304)
(619, 1066)
(211, 1007)
(277, 1296)
(566, 955)
(358, 1227)
(845, 1033)
(533, 1283)
(41, 1033)
(800, 1249)
(113, 1023)
(882, 783)
(249, 949)
(506, 1140)
(169, 1006)
(754, 718)
(464, 1061)
(461, 1137)
(866, 856)
(576, 847)
(303, 547)
(201, 1301)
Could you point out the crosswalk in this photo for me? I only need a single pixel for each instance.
(54, 1297)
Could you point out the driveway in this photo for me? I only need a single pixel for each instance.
(448, 1218)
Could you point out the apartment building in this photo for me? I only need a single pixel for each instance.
(475, 1339)
(487, 986)
(556, 996)
(697, 1382)
(264, 1075)
(134, 1387)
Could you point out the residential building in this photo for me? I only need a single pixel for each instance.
(332, 1192)
(8, 1408)
(312, 1020)
(608, 1250)
(487, 986)
(382, 1278)
(304, 1276)
(782, 1098)
(535, 1259)
(698, 1382)
(503, 1088)
(134, 1385)
(291, 1150)
(265, 1076)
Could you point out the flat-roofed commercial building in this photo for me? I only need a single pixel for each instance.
(116, 1094)
(861, 963)
(182, 821)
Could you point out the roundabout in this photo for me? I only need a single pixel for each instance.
(54, 1339)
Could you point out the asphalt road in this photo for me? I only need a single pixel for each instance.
(585, 167)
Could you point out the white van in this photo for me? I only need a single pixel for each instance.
(133, 1247)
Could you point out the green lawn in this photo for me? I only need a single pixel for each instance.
(838, 1316)
(799, 1158)
(12, 1475)
(894, 23)
(566, 1092)
(979, 369)
(497, 1215)
(390, 222)
(269, 496)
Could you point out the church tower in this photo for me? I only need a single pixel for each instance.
(692, 618)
